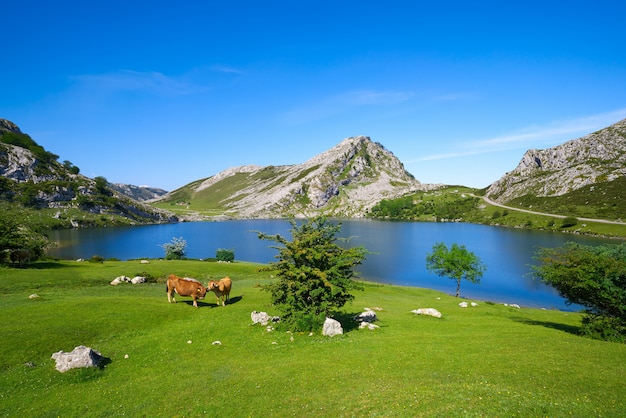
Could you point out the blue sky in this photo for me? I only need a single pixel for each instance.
(163, 93)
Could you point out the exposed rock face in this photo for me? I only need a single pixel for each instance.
(595, 158)
(345, 181)
(138, 193)
(55, 185)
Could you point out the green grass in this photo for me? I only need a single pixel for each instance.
(489, 360)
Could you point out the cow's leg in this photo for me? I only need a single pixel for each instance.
(195, 303)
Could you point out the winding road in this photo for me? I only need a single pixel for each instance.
(603, 221)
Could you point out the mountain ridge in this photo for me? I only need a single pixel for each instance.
(344, 181)
(599, 157)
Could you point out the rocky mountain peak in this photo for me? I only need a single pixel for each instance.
(345, 180)
(8, 126)
(595, 158)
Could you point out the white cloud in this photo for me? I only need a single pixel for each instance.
(146, 82)
(547, 135)
(341, 103)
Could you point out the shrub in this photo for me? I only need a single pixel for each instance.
(568, 222)
(175, 249)
(225, 255)
(594, 277)
(96, 259)
(314, 274)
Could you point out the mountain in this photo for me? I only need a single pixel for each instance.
(345, 181)
(138, 193)
(594, 162)
(32, 178)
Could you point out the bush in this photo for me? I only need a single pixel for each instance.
(314, 274)
(175, 250)
(225, 255)
(96, 259)
(569, 222)
(594, 277)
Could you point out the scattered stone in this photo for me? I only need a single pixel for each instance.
(33, 296)
(368, 325)
(367, 316)
(29, 364)
(138, 279)
(80, 260)
(145, 262)
(463, 304)
(216, 343)
(126, 356)
(81, 356)
(427, 311)
(474, 304)
(188, 341)
(332, 327)
(263, 318)
(120, 279)
(512, 305)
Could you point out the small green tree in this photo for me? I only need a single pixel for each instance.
(223, 254)
(456, 263)
(175, 249)
(594, 277)
(315, 274)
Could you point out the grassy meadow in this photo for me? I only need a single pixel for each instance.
(489, 360)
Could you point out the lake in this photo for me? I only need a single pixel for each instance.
(398, 251)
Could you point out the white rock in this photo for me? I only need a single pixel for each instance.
(81, 356)
(463, 304)
(427, 311)
(332, 327)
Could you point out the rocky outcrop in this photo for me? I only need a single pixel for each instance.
(36, 177)
(596, 158)
(138, 193)
(345, 181)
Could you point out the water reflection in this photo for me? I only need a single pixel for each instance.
(398, 251)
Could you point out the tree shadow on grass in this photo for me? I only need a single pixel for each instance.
(571, 329)
(347, 320)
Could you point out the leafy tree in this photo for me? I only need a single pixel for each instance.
(16, 236)
(175, 249)
(456, 263)
(315, 274)
(594, 277)
(225, 255)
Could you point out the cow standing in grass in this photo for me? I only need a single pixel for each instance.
(221, 288)
(184, 287)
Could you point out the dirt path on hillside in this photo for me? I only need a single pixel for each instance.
(603, 221)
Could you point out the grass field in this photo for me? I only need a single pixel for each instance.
(488, 360)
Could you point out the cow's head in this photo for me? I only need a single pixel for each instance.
(201, 291)
(213, 285)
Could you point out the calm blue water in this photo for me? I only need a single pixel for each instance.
(398, 250)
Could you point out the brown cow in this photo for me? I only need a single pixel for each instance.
(221, 289)
(185, 287)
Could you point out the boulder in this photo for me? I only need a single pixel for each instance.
(332, 328)
(427, 311)
(120, 279)
(81, 356)
(138, 279)
(367, 316)
(263, 318)
(463, 304)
